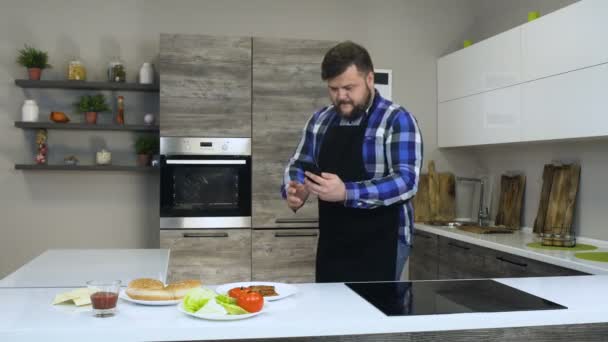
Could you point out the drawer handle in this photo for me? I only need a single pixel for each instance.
(284, 235)
(458, 246)
(296, 220)
(205, 235)
(512, 262)
(422, 236)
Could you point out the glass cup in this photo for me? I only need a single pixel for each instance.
(104, 295)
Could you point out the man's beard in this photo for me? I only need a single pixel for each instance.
(358, 109)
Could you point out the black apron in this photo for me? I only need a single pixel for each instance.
(354, 244)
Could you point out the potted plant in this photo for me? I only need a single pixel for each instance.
(34, 60)
(90, 105)
(145, 147)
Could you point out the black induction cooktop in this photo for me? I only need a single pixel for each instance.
(448, 297)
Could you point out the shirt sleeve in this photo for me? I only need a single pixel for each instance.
(403, 150)
(304, 153)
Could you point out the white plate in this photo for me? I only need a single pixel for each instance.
(284, 290)
(216, 317)
(123, 295)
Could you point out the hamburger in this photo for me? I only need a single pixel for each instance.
(155, 290)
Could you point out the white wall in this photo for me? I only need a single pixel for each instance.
(495, 16)
(42, 210)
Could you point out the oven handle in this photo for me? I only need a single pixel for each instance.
(205, 235)
(206, 162)
(296, 220)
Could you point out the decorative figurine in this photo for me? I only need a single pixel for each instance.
(70, 160)
(41, 137)
(120, 116)
(59, 117)
(149, 118)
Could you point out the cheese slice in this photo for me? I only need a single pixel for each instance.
(79, 297)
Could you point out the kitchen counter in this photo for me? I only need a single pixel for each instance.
(516, 244)
(317, 310)
(74, 267)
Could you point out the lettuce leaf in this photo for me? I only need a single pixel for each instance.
(225, 299)
(197, 298)
(212, 307)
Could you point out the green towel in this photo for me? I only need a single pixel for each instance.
(577, 248)
(595, 256)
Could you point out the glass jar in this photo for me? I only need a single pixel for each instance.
(116, 71)
(76, 71)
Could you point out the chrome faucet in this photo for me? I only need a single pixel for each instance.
(483, 214)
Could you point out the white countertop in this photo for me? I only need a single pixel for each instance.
(516, 244)
(74, 267)
(317, 310)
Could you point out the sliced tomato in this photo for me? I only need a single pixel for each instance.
(251, 301)
(237, 291)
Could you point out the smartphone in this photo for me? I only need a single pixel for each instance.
(312, 168)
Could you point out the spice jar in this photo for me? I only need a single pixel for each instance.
(76, 71)
(116, 71)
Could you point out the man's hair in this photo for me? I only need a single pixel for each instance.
(342, 56)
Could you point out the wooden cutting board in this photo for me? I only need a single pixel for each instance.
(422, 212)
(510, 201)
(558, 199)
(539, 222)
(436, 196)
(562, 200)
(486, 230)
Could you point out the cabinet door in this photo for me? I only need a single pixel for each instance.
(424, 257)
(285, 255)
(461, 260)
(571, 38)
(489, 118)
(513, 266)
(215, 256)
(287, 90)
(205, 86)
(490, 64)
(572, 105)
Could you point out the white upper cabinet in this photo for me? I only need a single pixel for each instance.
(490, 64)
(488, 118)
(544, 80)
(571, 38)
(571, 105)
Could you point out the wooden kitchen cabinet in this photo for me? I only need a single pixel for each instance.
(424, 257)
(215, 256)
(205, 86)
(454, 259)
(461, 260)
(287, 90)
(284, 255)
(509, 265)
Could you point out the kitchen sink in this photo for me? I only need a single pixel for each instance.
(472, 227)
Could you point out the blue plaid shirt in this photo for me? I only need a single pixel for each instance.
(392, 153)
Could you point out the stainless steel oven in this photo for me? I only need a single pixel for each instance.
(205, 183)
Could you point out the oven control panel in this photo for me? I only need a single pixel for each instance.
(205, 146)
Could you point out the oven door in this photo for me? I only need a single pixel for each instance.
(205, 192)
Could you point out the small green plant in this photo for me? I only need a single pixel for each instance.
(92, 103)
(147, 145)
(30, 57)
